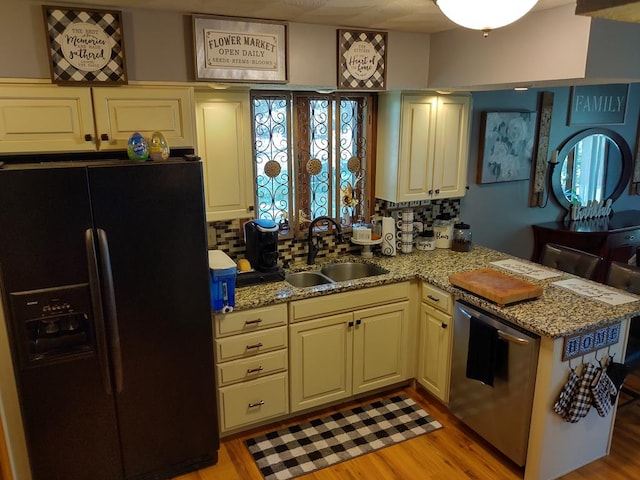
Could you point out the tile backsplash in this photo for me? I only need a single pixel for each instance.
(230, 238)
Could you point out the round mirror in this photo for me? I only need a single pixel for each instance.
(594, 164)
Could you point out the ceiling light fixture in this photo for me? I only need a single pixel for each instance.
(485, 15)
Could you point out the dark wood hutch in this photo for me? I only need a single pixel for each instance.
(614, 238)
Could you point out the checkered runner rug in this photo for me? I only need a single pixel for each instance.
(309, 446)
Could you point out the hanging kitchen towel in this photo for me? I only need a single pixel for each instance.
(388, 236)
(481, 351)
(601, 389)
(583, 398)
(617, 372)
(565, 398)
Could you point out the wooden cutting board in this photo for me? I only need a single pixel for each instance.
(495, 286)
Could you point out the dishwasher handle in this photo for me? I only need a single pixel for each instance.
(512, 338)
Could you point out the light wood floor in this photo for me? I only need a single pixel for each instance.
(451, 453)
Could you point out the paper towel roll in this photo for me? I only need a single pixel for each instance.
(388, 236)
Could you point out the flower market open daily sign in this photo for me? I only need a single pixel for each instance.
(239, 50)
(85, 46)
(598, 104)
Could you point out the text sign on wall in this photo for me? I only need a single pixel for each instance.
(598, 104)
(241, 50)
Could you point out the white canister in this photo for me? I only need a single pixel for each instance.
(425, 241)
(443, 231)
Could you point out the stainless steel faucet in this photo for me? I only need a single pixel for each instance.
(313, 248)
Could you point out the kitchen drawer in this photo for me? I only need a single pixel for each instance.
(252, 402)
(437, 298)
(250, 344)
(348, 301)
(250, 320)
(251, 368)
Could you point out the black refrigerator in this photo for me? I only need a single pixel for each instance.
(105, 285)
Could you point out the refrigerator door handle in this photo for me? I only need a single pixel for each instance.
(110, 308)
(96, 302)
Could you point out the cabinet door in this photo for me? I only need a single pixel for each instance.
(417, 148)
(434, 358)
(45, 118)
(451, 140)
(380, 346)
(225, 148)
(320, 359)
(121, 111)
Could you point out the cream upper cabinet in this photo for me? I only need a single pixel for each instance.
(121, 111)
(46, 118)
(422, 146)
(51, 118)
(434, 353)
(224, 144)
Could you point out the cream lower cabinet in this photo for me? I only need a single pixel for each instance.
(224, 144)
(436, 336)
(332, 357)
(49, 118)
(251, 366)
(422, 146)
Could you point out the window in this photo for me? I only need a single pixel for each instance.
(311, 157)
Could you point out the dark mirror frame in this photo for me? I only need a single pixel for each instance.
(565, 148)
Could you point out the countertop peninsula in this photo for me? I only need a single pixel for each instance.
(557, 313)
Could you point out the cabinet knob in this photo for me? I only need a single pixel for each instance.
(443, 325)
(88, 137)
(350, 324)
(104, 137)
(250, 208)
(430, 192)
(358, 322)
(437, 191)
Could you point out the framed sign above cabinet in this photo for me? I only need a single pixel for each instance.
(85, 46)
(598, 104)
(240, 50)
(362, 57)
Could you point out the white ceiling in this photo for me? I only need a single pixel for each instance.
(391, 15)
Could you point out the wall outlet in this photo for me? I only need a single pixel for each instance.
(211, 236)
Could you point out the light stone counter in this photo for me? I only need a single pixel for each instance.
(557, 313)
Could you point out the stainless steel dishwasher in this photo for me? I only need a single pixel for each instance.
(493, 376)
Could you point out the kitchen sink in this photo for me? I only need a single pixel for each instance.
(307, 279)
(332, 273)
(342, 272)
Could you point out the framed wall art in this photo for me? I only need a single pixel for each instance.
(242, 50)
(506, 146)
(362, 59)
(598, 104)
(85, 45)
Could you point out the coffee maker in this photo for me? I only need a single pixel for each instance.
(261, 240)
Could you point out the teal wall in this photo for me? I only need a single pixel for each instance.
(499, 214)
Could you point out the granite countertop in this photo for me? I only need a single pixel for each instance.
(557, 313)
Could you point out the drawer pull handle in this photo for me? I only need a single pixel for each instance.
(255, 345)
(253, 322)
(431, 297)
(257, 404)
(255, 370)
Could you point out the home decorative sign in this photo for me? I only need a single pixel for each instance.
(598, 104)
(506, 146)
(240, 49)
(362, 60)
(85, 46)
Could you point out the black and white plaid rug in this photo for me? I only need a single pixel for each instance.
(313, 445)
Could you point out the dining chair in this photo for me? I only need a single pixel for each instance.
(627, 277)
(570, 260)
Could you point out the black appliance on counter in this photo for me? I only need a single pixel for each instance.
(261, 240)
(104, 281)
